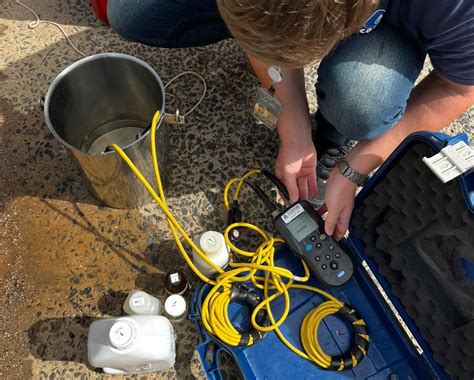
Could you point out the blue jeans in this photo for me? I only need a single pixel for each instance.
(363, 85)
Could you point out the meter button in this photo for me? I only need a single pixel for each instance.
(324, 266)
(333, 265)
(308, 248)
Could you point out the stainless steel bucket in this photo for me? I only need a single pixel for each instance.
(104, 99)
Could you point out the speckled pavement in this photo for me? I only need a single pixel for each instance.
(67, 260)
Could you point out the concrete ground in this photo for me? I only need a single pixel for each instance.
(65, 259)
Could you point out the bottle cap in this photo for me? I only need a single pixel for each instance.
(122, 334)
(175, 306)
(211, 242)
(139, 302)
(175, 282)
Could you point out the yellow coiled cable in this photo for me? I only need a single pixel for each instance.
(214, 313)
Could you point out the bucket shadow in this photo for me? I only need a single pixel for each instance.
(132, 258)
(151, 283)
(165, 256)
(112, 302)
(34, 163)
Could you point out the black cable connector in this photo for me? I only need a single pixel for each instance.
(261, 194)
(278, 183)
(234, 215)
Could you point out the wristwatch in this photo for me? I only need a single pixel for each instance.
(351, 174)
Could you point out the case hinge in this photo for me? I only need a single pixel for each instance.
(451, 161)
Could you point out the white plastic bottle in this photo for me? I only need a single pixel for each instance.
(176, 308)
(212, 243)
(132, 344)
(141, 303)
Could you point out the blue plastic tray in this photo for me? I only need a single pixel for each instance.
(391, 355)
(388, 354)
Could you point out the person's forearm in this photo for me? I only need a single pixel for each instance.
(434, 103)
(294, 122)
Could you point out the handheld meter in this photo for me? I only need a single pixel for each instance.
(303, 230)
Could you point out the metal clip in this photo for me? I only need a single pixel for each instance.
(175, 119)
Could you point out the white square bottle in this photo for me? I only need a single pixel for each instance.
(132, 344)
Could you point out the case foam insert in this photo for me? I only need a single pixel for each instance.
(418, 230)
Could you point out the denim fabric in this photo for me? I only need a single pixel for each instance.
(167, 23)
(364, 84)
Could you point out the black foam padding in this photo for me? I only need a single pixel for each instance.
(418, 230)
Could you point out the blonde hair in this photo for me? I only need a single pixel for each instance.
(293, 33)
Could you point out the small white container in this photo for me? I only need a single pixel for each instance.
(141, 303)
(176, 308)
(132, 344)
(212, 243)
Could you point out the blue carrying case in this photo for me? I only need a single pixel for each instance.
(406, 340)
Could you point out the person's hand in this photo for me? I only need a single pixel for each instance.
(340, 194)
(296, 167)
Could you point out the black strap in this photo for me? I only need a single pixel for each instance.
(357, 353)
(335, 363)
(361, 342)
(359, 329)
(255, 335)
(359, 347)
(347, 359)
(244, 339)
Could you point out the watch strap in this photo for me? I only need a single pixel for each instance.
(351, 174)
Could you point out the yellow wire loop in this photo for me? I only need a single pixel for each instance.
(261, 271)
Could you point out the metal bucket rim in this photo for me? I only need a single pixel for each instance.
(68, 69)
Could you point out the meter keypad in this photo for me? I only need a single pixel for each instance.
(325, 258)
(326, 254)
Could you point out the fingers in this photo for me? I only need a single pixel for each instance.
(303, 188)
(312, 183)
(298, 186)
(330, 223)
(292, 187)
(337, 222)
(342, 223)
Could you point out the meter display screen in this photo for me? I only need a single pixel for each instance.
(302, 226)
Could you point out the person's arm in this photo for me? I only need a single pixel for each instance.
(433, 104)
(296, 161)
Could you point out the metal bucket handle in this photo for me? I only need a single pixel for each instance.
(169, 118)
